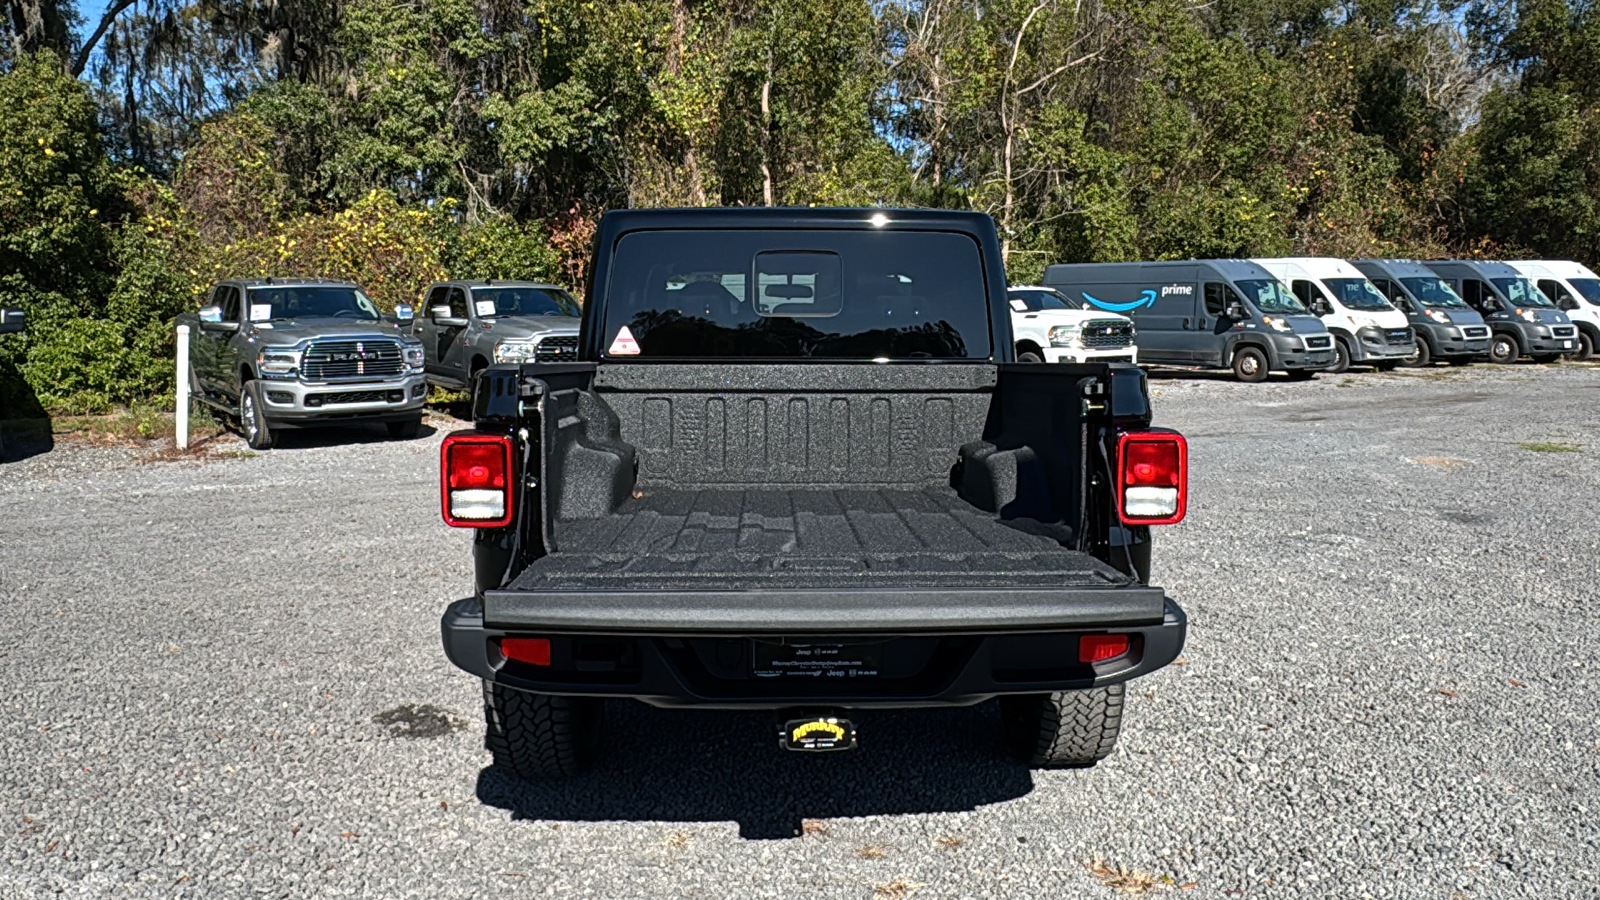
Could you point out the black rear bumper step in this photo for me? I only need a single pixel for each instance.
(713, 667)
(829, 610)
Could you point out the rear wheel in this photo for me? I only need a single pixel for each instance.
(1064, 729)
(1029, 356)
(1503, 349)
(1419, 357)
(406, 430)
(1341, 357)
(253, 417)
(539, 736)
(1250, 365)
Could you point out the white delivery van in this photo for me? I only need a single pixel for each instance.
(1575, 289)
(1047, 327)
(1367, 329)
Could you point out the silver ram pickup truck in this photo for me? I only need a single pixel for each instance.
(466, 326)
(282, 353)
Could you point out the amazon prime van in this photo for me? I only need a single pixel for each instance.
(1521, 319)
(1205, 313)
(1367, 330)
(1575, 289)
(1446, 328)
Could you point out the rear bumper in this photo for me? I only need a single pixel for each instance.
(713, 668)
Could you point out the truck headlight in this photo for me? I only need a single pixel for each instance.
(1437, 316)
(1528, 315)
(1066, 335)
(278, 362)
(414, 359)
(1277, 324)
(514, 351)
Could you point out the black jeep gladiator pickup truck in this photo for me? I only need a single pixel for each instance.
(797, 468)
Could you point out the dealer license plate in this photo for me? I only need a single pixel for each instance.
(815, 660)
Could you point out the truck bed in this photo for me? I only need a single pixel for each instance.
(855, 558)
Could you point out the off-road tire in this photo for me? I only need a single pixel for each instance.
(1064, 729)
(405, 430)
(1028, 356)
(253, 417)
(1504, 349)
(1341, 357)
(1422, 358)
(1250, 365)
(538, 736)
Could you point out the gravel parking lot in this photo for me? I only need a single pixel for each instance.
(223, 679)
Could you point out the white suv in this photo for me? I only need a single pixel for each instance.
(1047, 327)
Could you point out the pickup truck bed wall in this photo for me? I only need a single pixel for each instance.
(956, 488)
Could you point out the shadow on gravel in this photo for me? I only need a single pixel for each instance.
(691, 766)
(337, 436)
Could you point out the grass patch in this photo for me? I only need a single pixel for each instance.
(457, 404)
(1549, 447)
(894, 890)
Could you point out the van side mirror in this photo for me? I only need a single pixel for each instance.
(12, 321)
(1237, 311)
(1321, 307)
(211, 315)
(403, 313)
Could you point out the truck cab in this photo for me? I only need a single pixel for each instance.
(1367, 330)
(281, 353)
(1443, 326)
(1205, 313)
(1575, 289)
(1522, 320)
(467, 326)
(1047, 327)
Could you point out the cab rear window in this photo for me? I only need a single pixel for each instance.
(797, 295)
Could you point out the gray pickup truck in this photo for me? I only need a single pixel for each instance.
(297, 353)
(466, 326)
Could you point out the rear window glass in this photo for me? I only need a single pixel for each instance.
(797, 294)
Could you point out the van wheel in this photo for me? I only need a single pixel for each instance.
(1421, 357)
(1064, 729)
(1503, 349)
(1028, 356)
(1585, 351)
(253, 419)
(537, 736)
(1250, 365)
(1341, 357)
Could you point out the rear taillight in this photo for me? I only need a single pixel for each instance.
(475, 480)
(1152, 477)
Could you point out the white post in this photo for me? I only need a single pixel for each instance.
(183, 387)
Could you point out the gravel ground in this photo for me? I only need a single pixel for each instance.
(223, 678)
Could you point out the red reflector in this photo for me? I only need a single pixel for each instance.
(533, 651)
(1093, 648)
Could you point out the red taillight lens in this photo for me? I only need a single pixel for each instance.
(533, 651)
(1152, 477)
(475, 476)
(1093, 648)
